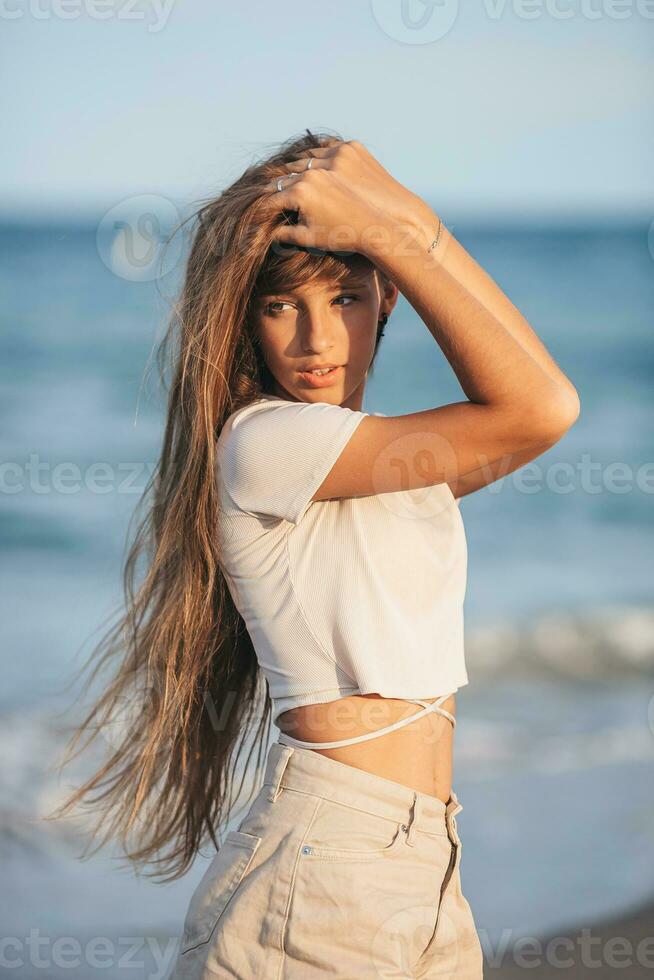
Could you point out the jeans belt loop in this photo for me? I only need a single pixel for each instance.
(276, 785)
(453, 808)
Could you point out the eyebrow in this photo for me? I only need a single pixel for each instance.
(350, 283)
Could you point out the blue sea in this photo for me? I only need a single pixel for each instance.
(554, 745)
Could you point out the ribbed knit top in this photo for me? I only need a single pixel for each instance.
(354, 595)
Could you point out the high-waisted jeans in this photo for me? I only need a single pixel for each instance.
(333, 872)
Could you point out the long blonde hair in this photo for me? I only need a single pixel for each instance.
(183, 658)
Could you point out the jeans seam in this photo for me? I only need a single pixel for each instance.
(352, 854)
(292, 888)
(373, 813)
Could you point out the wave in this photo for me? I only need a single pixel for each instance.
(605, 642)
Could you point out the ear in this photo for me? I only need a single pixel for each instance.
(390, 294)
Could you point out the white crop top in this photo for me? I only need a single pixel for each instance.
(353, 595)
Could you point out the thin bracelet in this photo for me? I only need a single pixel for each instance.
(438, 235)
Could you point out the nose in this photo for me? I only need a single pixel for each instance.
(316, 328)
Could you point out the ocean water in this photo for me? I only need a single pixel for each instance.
(555, 740)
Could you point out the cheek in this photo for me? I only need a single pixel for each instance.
(272, 344)
(363, 333)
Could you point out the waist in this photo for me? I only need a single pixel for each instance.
(416, 752)
(310, 772)
(354, 715)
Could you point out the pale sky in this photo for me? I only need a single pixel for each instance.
(481, 105)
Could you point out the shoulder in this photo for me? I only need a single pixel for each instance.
(269, 417)
(240, 429)
(273, 454)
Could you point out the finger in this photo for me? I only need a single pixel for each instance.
(286, 181)
(273, 201)
(322, 157)
(318, 153)
(303, 164)
(292, 235)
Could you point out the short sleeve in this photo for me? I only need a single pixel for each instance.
(277, 454)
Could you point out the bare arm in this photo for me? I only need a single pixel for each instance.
(520, 402)
(464, 267)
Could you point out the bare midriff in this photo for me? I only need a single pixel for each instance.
(418, 755)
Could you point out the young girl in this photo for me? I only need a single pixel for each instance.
(308, 561)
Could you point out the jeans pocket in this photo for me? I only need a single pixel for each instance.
(345, 833)
(217, 887)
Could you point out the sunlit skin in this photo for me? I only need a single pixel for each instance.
(337, 323)
(324, 322)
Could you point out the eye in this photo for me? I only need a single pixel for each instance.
(269, 311)
(273, 308)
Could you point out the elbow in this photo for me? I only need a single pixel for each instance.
(557, 414)
(566, 408)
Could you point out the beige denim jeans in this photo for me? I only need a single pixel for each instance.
(334, 872)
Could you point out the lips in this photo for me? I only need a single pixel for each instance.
(320, 380)
(319, 367)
